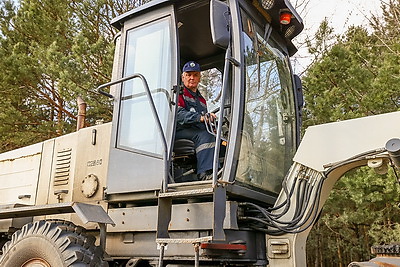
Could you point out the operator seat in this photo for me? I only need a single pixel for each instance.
(183, 148)
(184, 159)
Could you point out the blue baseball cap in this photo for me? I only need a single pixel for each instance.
(191, 66)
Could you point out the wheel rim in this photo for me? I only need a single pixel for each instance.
(36, 263)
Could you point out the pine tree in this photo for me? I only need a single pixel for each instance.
(52, 52)
(358, 75)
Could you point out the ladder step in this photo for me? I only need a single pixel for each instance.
(183, 240)
(187, 193)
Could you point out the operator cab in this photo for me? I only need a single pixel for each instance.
(195, 43)
(252, 85)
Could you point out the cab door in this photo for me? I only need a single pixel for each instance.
(149, 46)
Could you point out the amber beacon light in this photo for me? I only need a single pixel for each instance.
(285, 18)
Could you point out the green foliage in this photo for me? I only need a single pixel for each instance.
(362, 211)
(356, 75)
(351, 80)
(53, 51)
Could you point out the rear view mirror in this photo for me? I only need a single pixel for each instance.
(220, 21)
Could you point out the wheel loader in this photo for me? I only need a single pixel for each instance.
(126, 193)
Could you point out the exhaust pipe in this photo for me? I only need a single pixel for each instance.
(80, 122)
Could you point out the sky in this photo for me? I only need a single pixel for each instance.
(340, 13)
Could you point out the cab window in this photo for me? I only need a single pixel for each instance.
(148, 53)
(267, 142)
(210, 87)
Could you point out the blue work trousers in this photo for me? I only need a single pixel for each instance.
(204, 144)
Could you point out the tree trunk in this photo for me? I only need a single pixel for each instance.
(339, 252)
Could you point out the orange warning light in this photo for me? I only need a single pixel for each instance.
(285, 18)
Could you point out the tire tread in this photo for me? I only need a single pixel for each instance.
(74, 244)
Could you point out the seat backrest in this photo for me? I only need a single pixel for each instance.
(184, 147)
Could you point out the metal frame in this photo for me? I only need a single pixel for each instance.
(86, 212)
(154, 112)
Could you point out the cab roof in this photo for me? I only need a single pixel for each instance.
(202, 13)
(118, 21)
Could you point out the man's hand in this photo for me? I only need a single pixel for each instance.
(208, 117)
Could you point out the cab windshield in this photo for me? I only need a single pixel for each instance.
(268, 135)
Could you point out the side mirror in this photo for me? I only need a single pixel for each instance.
(220, 23)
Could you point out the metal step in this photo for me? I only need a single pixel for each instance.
(183, 240)
(187, 193)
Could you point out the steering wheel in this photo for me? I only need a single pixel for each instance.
(212, 126)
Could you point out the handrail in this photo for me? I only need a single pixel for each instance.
(124, 79)
(221, 115)
(154, 91)
(154, 112)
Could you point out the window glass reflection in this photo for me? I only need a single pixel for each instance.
(148, 52)
(268, 129)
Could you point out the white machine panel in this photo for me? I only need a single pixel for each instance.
(19, 171)
(333, 142)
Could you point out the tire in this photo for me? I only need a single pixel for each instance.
(51, 244)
